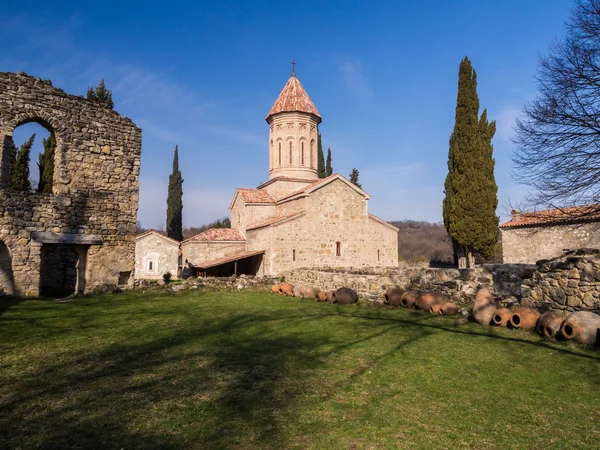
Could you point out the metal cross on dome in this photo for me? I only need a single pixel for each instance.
(293, 63)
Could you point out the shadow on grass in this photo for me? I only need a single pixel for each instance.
(232, 383)
(229, 382)
(7, 302)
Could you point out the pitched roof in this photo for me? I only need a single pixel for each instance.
(159, 233)
(226, 259)
(218, 234)
(255, 196)
(322, 182)
(293, 98)
(554, 216)
(275, 220)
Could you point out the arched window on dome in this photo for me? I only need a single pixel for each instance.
(302, 153)
(312, 149)
(290, 153)
(280, 153)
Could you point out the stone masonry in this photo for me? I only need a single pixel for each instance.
(459, 284)
(94, 202)
(570, 282)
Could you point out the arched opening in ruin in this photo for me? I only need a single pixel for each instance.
(7, 281)
(40, 161)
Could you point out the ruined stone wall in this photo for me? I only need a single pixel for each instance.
(527, 245)
(95, 186)
(570, 282)
(158, 251)
(196, 252)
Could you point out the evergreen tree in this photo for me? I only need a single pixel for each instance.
(46, 165)
(12, 158)
(320, 158)
(354, 178)
(19, 175)
(328, 168)
(100, 94)
(175, 201)
(469, 208)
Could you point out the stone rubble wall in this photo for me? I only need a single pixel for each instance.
(95, 186)
(459, 284)
(567, 283)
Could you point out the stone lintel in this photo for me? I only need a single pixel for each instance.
(44, 237)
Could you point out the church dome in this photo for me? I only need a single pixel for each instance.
(293, 98)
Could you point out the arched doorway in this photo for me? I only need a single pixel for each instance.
(7, 281)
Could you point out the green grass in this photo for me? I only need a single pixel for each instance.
(254, 370)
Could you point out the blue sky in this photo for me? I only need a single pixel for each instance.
(383, 75)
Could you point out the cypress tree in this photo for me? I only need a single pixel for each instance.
(175, 201)
(354, 178)
(19, 175)
(328, 168)
(469, 208)
(46, 164)
(101, 95)
(12, 158)
(320, 158)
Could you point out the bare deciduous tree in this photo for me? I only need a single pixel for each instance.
(558, 139)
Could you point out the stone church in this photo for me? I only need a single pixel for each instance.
(293, 220)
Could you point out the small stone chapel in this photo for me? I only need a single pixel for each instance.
(295, 219)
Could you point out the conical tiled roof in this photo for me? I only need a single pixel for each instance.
(293, 98)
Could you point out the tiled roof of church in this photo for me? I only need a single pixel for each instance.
(571, 214)
(218, 234)
(293, 98)
(256, 196)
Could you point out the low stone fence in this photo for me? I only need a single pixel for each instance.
(461, 284)
(568, 283)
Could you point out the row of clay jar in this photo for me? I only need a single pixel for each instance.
(583, 326)
(434, 302)
(342, 296)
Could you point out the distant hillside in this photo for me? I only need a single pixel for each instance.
(420, 241)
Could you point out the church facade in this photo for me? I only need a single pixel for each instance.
(295, 219)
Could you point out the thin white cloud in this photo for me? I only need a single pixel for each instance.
(353, 76)
(505, 122)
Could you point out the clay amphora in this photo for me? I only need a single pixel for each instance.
(583, 326)
(524, 318)
(345, 296)
(502, 317)
(393, 297)
(449, 309)
(484, 307)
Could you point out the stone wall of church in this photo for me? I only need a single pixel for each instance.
(334, 213)
(291, 207)
(529, 244)
(95, 186)
(155, 256)
(284, 187)
(195, 252)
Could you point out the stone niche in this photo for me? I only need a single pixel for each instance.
(82, 235)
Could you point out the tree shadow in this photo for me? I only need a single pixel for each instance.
(231, 382)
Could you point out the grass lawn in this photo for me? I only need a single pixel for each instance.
(255, 370)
